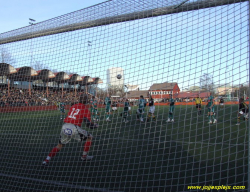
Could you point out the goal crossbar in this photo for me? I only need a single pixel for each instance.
(37, 30)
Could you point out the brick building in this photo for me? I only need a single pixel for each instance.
(160, 91)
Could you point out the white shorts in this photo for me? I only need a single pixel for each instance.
(221, 103)
(151, 109)
(70, 131)
(244, 114)
(129, 108)
(114, 108)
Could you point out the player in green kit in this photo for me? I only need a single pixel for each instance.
(93, 109)
(210, 107)
(61, 107)
(125, 110)
(171, 109)
(141, 106)
(107, 102)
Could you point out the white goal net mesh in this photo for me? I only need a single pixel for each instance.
(190, 57)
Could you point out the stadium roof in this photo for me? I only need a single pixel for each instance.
(162, 86)
(137, 94)
(23, 74)
(29, 74)
(97, 80)
(132, 87)
(44, 74)
(86, 80)
(6, 69)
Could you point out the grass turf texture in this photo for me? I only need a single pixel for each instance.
(152, 156)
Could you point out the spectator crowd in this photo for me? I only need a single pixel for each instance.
(36, 97)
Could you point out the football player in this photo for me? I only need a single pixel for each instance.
(114, 106)
(243, 111)
(141, 106)
(71, 129)
(221, 102)
(171, 103)
(151, 108)
(61, 107)
(211, 113)
(107, 102)
(198, 102)
(125, 110)
(93, 109)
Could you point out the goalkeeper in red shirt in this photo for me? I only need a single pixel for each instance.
(71, 129)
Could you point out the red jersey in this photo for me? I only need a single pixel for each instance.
(76, 114)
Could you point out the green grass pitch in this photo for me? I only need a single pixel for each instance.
(152, 156)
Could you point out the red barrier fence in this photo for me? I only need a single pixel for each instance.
(51, 108)
(204, 103)
(27, 108)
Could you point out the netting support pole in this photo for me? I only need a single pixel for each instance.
(248, 96)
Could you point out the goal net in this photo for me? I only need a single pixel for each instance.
(167, 84)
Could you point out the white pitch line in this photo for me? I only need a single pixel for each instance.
(31, 134)
(169, 141)
(59, 183)
(122, 138)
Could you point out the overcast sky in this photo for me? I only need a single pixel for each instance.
(15, 14)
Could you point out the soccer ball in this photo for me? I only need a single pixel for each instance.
(119, 76)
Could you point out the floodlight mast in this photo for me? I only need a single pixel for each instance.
(32, 22)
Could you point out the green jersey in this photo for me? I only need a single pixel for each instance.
(126, 105)
(141, 103)
(62, 107)
(107, 101)
(171, 105)
(210, 101)
(94, 103)
(91, 101)
(171, 101)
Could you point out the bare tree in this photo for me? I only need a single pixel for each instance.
(116, 90)
(39, 66)
(194, 88)
(241, 91)
(5, 57)
(206, 82)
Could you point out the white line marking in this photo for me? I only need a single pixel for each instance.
(169, 141)
(59, 183)
(122, 138)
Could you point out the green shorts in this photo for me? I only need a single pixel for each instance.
(95, 111)
(171, 109)
(92, 110)
(211, 109)
(125, 109)
(107, 109)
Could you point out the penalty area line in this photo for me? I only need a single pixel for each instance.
(59, 183)
(176, 141)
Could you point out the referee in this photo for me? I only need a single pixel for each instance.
(198, 103)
